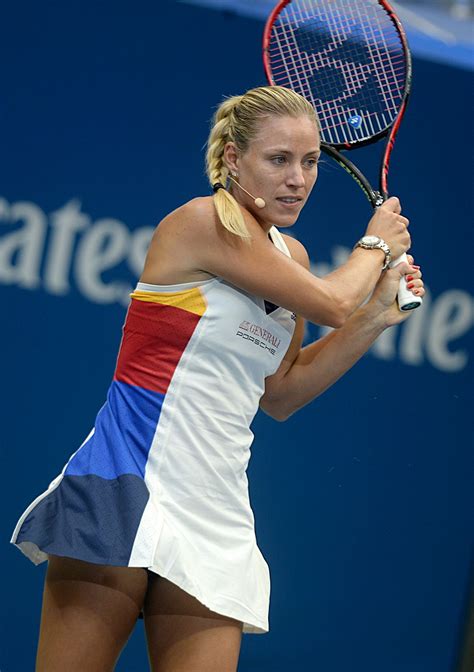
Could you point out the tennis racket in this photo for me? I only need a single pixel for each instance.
(350, 59)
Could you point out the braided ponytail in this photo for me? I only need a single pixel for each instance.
(228, 209)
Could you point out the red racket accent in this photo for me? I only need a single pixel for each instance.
(388, 152)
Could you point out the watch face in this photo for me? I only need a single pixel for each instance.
(370, 240)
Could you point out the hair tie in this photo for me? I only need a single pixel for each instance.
(216, 186)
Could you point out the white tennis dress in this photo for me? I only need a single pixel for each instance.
(160, 482)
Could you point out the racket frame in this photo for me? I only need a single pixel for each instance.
(406, 300)
(376, 198)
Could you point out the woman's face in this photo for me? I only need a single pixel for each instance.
(280, 166)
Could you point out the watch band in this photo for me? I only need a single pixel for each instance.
(379, 245)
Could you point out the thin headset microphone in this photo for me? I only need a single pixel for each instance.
(259, 202)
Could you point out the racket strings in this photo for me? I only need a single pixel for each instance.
(347, 60)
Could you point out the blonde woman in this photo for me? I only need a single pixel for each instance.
(151, 514)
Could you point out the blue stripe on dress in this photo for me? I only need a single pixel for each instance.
(124, 430)
(94, 512)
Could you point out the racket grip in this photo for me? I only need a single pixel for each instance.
(406, 299)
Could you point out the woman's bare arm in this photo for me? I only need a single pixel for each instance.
(192, 240)
(320, 364)
(307, 372)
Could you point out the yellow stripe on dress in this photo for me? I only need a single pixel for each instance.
(191, 300)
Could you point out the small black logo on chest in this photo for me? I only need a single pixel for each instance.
(270, 307)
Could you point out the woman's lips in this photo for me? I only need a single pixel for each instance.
(290, 204)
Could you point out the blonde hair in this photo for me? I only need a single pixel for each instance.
(236, 120)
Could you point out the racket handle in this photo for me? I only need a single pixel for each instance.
(406, 299)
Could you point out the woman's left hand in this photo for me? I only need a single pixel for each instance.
(384, 297)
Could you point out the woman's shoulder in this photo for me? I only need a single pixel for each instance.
(200, 208)
(190, 219)
(174, 252)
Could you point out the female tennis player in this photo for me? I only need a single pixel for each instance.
(151, 515)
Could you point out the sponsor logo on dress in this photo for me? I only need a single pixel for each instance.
(259, 336)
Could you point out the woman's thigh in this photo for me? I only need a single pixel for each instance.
(88, 614)
(184, 635)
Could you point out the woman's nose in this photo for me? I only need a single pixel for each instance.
(295, 176)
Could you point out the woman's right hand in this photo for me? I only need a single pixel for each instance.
(389, 224)
(383, 300)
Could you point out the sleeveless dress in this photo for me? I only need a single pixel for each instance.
(160, 482)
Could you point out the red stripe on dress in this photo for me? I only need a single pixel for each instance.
(154, 338)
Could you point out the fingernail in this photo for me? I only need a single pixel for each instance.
(410, 285)
(409, 277)
(414, 266)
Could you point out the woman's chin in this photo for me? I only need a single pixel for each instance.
(268, 217)
(285, 221)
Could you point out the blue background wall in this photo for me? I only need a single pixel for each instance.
(366, 521)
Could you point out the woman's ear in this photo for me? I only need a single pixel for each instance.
(231, 157)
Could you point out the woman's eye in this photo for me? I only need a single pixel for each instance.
(311, 162)
(278, 159)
